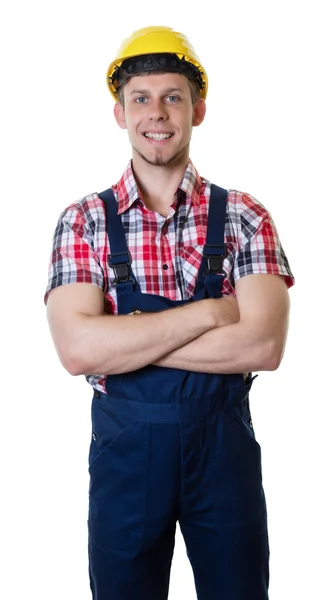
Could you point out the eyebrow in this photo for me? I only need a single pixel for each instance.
(164, 92)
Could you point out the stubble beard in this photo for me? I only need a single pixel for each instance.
(158, 161)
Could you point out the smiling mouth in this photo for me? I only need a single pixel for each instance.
(158, 136)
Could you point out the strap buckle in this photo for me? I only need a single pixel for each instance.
(215, 264)
(121, 269)
(215, 261)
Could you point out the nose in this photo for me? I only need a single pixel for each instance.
(158, 111)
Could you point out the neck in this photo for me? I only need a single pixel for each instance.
(158, 184)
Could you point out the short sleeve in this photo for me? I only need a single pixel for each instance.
(259, 248)
(73, 257)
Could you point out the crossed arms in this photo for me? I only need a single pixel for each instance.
(226, 335)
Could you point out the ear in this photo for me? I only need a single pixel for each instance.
(199, 112)
(120, 115)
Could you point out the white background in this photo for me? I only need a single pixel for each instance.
(269, 132)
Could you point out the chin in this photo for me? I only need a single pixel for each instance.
(159, 159)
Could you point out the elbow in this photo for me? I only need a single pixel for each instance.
(273, 355)
(74, 368)
(273, 362)
(72, 362)
(79, 361)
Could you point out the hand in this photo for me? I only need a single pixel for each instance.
(225, 311)
(230, 310)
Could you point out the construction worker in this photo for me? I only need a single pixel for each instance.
(168, 292)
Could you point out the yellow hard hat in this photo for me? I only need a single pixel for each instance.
(159, 40)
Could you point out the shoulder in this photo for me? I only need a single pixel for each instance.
(88, 210)
(247, 216)
(243, 203)
(85, 205)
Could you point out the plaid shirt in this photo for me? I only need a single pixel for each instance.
(166, 251)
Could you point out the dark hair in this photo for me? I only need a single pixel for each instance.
(194, 90)
(154, 64)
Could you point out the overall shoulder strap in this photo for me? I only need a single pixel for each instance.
(115, 228)
(211, 274)
(215, 247)
(120, 258)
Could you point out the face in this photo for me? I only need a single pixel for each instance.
(159, 115)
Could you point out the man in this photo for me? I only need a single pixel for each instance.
(178, 292)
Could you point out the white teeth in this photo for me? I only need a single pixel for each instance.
(158, 136)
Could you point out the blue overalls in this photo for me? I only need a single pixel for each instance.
(170, 445)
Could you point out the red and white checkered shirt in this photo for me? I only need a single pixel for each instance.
(166, 251)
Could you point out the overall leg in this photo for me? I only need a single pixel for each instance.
(134, 490)
(223, 510)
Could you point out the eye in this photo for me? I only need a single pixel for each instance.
(140, 100)
(173, 98)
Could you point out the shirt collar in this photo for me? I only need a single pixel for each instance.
(127, 191)
(192, 183)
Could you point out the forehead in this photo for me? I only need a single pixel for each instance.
(157, 83)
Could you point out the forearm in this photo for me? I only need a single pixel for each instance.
(89, 341)
(255, 343)
(117, 344)
(234, 348)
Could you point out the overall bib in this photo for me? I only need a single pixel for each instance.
(174, 446)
